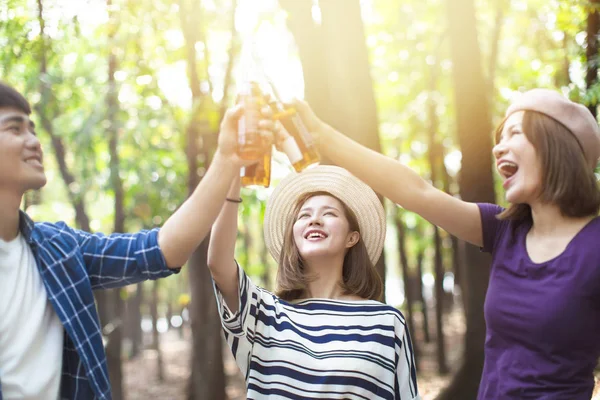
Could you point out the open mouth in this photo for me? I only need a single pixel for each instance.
(314, 235)
(507, 169)
(35, 161)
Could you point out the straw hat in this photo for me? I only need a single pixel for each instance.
(359, 197)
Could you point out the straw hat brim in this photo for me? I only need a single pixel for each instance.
(359, 197)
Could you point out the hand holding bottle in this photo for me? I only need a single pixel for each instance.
(228, 144)
(313, 124)
(294, 138)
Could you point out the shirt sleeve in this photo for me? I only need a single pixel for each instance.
(237, 324)
(490, 225)
(239, 327)
(121, 259)
(406, 372)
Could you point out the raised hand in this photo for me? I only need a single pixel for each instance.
(228, 134)
(313, 123)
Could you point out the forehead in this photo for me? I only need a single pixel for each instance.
(11, 114)
(322, 200)
(515, 118)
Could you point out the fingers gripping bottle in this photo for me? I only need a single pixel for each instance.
(293, 124)
(251, 144)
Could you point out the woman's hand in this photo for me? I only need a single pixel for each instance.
(228, 135)
(314, 124)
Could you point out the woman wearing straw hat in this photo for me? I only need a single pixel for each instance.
(543, 302)
(324, 333)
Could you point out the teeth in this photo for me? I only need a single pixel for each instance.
(508, 163)
(315, 235)
(508, 168)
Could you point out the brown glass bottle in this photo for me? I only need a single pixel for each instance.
(294, 125)
(258, 174)
(251, 145)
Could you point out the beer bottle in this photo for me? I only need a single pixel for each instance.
(287, 144)
(251, 145)
(258, 174)
(293, 124)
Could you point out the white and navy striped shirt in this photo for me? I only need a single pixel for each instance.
(319, 348)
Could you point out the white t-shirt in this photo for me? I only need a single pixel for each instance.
(31, 335)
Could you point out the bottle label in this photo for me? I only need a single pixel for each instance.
(290, 147)
(302, 131)
(249, 120)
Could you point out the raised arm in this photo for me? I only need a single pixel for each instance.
(189, 225)
(397, 182)
(221, 249)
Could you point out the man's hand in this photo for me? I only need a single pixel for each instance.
(228, 135)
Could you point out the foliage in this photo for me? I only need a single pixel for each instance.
(524, 44)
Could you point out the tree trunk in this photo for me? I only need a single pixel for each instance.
(114, 343)
(434, 165)
(340, 95)
(476, 182)
(42, 108)
(408, 295)
(155, 334)
(424, 311)
(591, 51)
(563, 76)
(495, 45)
(114, 346)
(134, 320)
(311, 49)
(456, 261)
(264, 260)
(246, 241)
(233, 50)
(439, 303)
(207, 380)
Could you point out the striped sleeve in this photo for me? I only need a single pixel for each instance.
(406, 373)
(239, 327)
(237, 323)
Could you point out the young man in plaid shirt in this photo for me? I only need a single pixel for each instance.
(50, 339)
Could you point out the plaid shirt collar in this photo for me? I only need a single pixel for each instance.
(26, 226)
(69, 277)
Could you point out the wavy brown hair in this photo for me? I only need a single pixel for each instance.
(567, 179)
(359, 276)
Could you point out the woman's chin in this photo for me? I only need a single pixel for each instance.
(316, 254)
(513, 196)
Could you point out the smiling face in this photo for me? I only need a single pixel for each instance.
(321, 229)
(517, 162)
(21, 155)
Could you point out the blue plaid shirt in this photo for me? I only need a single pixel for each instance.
(72, 263)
